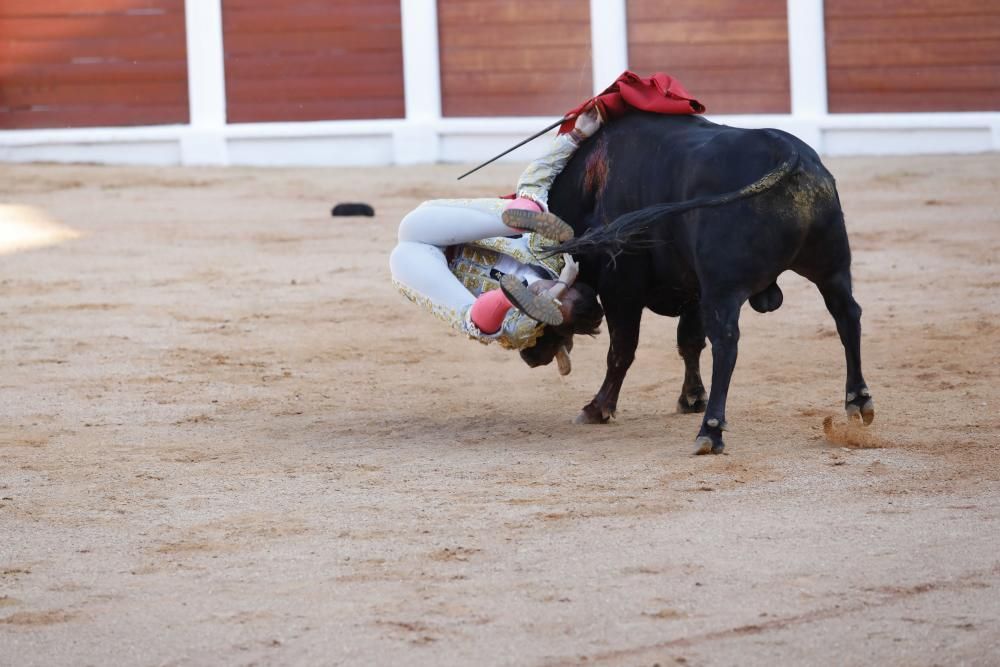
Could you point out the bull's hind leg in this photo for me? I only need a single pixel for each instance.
(721, 319)
(690, 343)
(846, 312)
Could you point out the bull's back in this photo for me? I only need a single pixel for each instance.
(647, 159)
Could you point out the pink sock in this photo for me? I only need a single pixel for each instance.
(489, 310)
(523, 203)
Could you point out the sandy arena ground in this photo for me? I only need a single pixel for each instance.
(225, 439)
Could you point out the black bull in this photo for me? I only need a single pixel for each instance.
(691, 219)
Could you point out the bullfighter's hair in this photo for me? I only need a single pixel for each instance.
(587, 312)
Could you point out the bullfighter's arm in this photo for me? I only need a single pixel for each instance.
(566, 277)
(538, 178)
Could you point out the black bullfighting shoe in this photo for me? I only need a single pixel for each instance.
(545, 224)
(539, 307)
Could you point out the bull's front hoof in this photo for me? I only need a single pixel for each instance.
(592, 414)
(859, 406)
(689, 404)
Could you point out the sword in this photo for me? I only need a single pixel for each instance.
(518, 145)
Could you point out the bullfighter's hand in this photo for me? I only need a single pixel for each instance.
(571, 269)
(587, 124)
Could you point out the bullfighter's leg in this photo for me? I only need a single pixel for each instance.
(623, 328)
(690, 343)
(846, 312)
(420, 271)
(721, 319)
(418, 263)
(445, 222)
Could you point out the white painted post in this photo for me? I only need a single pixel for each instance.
(204, 141)
(417, 140)
(608, 41)
(807, 65)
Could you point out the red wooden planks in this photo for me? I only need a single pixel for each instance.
(641, 11)
(917, 55)
(313, 60)
(64, 8)
(730, 54)
(92, 62)
(513, 58)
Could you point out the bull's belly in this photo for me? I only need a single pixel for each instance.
(670, 306)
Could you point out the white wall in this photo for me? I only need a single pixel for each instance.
(424, 136)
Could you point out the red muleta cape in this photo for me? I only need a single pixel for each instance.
(659, 93)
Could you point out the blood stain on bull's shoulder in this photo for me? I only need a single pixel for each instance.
(596, 173)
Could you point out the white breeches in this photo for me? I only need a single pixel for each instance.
(418, 261)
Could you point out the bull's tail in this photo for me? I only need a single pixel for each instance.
(627, 232)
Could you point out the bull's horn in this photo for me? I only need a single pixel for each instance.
(562, 359)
